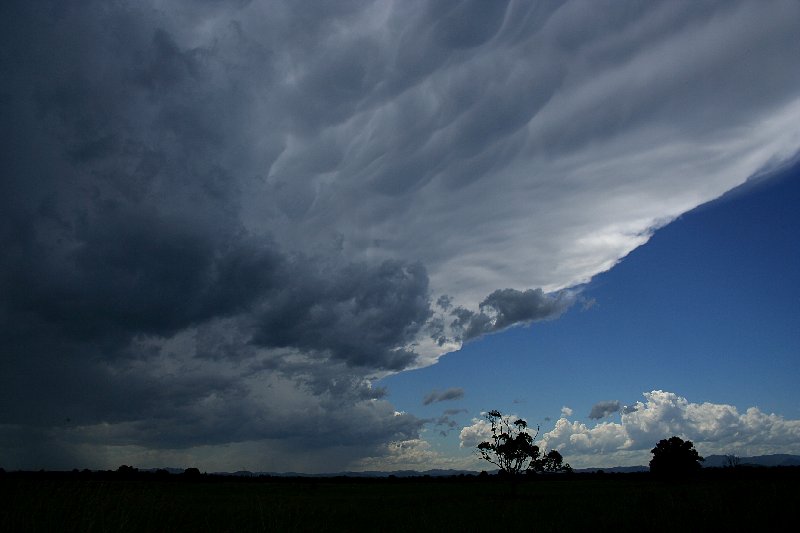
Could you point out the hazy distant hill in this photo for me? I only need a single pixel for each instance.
(780, 459)
(379, 473)
(615, 469)
(712, 461)
(716, 461)
(370, 473)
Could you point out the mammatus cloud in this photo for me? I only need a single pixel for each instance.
(604, 409)
(453, 393)
(218, 218)
(714, 429)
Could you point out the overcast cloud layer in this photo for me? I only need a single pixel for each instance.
(222, 219)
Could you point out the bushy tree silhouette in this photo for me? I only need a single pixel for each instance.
(191, 472)
(512, 450)
(127, 471)
(674, 457)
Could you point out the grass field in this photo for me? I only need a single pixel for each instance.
(576, 503)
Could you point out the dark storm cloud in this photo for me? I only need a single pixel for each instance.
(138, 274)
(445, 423)
(357, 314)
(513, 306)
(110, 230)
(604, 409)
(453, 393)
(628, 409)
(122, 233)
(508, 307)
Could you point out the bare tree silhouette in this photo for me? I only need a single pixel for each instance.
(732, 461)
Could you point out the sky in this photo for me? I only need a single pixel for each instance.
(326, 236)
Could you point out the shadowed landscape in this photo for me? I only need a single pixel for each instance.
(716, 499)
(529, 490)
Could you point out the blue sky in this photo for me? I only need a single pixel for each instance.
(258, 235)
(707, 309)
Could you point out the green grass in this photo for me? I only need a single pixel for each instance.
(618, 504)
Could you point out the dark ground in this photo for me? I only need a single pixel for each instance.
(752, 500)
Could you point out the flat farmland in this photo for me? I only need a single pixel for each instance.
(615, 502)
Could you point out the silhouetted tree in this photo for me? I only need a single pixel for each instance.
(191, 472)
(732, 461)
(512, 450)
(127, 471)
(552, 461)
(675, 456)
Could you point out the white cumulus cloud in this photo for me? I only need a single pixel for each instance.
(714, 428)
(477, 432)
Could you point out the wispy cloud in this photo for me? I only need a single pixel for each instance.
(453, 393)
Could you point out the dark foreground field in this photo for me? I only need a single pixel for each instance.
(611, 502)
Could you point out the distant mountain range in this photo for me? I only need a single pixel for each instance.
(712, 461)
